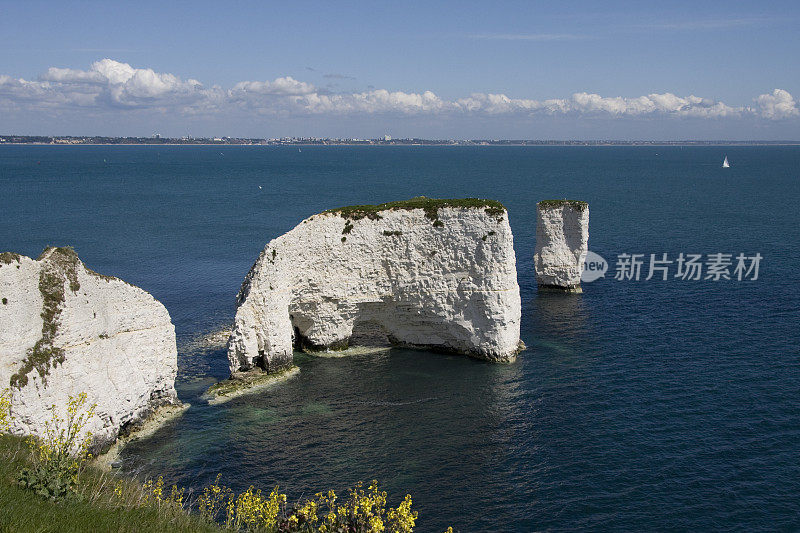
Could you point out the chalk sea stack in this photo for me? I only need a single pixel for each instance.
(65, 329)
(562, 242)
(427, 273)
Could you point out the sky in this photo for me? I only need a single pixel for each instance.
(448, 69)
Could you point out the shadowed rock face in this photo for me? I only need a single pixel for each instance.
(562, 240)
(439, 278)
(65, 330)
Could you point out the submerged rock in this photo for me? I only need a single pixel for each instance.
(241, 383)
(562, 242)
(435, 274)
(65, 329)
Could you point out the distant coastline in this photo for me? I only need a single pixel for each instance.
(68, 140)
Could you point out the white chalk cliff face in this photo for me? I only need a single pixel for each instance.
(562, 242)
(65, 329)
(442, 278)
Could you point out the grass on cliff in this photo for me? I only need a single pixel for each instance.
(104, 502)
(46, 484)
(577, 205)
(60, 265)
(429, 205)
(7, 258)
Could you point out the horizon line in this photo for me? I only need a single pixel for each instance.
(156, 139)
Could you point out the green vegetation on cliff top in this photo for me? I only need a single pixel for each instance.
(7, 258)
(429, 205)
(578, 205)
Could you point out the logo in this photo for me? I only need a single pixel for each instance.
(594, 267)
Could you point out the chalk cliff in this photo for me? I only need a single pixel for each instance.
(562, 240)
(65, 329)
(437, 274)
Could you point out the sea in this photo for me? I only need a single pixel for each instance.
(639, 405)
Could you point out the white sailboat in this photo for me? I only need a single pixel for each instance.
(725, 163)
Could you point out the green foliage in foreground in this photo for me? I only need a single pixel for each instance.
(5, 410)
(46, 486)
(93, 507)
(104, 501)
(429, 205)
(58, 456)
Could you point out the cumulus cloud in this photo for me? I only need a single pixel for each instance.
(667, 103)
(109, 84)
(68, 75)
(596, 105)
(287, 86)
(375, 101)
(778, 105)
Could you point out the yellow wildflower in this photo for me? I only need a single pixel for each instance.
(5, 410)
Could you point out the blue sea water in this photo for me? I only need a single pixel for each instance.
(649, 405)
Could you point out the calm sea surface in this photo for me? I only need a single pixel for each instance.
(650, 405)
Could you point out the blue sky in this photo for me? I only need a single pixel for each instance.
(428, 69)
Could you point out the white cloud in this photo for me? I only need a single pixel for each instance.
(114, 71)
(68, 75)
(665, 104)
(109, 84)
(594, 104)
(778, 105)
(383, 101)
(287, 86)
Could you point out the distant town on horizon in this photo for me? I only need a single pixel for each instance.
(385, 140)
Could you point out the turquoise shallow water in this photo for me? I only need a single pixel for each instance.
(668, 405)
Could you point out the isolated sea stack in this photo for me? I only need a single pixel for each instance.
(65, 330)
(434, 274)
(562, 242)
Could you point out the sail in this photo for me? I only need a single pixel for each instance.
(725, 163)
